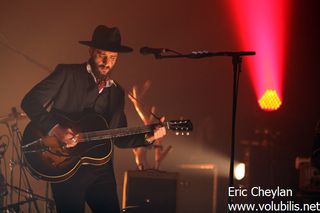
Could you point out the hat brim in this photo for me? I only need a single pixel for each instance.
(120, 49)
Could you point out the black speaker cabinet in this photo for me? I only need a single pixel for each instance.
(197, 188)
(150, 191)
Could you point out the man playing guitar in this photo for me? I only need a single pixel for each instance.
(76, 90)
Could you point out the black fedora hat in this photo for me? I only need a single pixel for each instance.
(105, 38)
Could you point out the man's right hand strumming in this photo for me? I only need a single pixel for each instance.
(66, 135)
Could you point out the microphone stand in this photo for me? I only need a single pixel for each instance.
(16, 206)
(5, 43)
(204, 54)
(16, 137)
(236, 68)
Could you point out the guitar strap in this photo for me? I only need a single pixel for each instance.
(116, 116)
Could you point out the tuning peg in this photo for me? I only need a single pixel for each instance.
(188, 133)
(177, 133)
(182, 133)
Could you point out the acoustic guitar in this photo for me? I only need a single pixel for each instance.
(48, 159)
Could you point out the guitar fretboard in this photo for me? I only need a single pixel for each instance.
(114, 133)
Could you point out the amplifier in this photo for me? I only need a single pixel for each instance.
(309, 176)
(197, 189)
(149, 191)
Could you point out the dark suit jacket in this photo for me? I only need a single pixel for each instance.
(73, 90)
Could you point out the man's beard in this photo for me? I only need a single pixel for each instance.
(96, 72)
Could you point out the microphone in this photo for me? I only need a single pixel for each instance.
(149, 50)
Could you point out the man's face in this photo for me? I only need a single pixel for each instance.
(103, 61)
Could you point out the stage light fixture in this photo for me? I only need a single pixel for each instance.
(240, 171)
(262, 26)
(270, 100)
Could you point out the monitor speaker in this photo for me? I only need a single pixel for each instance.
(150, 191)
(197, 188)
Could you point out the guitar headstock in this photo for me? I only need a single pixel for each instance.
(182, 127)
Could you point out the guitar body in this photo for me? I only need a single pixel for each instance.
(56, 163)
(46, 158)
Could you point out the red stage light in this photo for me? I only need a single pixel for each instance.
(270, 100)
(261, 26)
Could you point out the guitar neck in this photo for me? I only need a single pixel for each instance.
(115, 133)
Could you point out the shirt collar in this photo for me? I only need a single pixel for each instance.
(109, 82)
